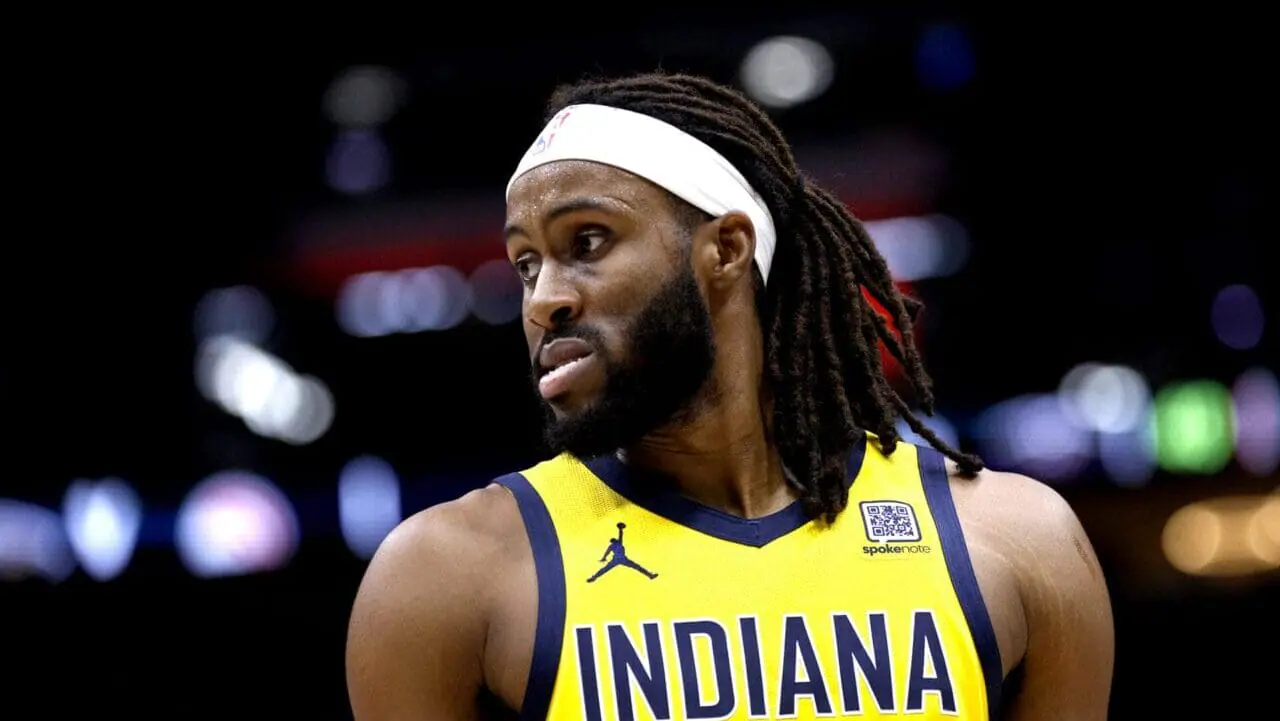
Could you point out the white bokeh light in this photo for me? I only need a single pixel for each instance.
(787, 70)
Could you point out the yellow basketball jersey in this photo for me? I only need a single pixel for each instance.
(653, 607)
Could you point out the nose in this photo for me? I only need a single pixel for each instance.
(554, 300)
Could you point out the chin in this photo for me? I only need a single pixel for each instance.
(583, 427)
(569, 405)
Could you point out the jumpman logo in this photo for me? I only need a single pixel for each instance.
(616, 555)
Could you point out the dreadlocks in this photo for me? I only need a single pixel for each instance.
(818, 326)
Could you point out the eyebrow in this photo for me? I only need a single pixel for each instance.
(570, 206)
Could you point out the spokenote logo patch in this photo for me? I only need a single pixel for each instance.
(892, 529)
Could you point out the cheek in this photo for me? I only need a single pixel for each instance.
(617, 331)
(624, 286)
(617, 345)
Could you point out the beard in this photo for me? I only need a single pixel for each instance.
(667, 368)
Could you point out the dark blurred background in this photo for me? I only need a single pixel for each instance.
(259, 313)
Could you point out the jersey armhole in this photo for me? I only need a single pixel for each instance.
(937, 491)
(549, 569)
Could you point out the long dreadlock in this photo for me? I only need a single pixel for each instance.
(819, 328)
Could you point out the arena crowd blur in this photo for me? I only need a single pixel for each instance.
(259, 312)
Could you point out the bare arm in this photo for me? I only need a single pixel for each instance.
(1070, 633)
(416, 639)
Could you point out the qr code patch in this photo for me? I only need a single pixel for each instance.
(889, 521)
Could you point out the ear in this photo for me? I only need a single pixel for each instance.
(725, 251)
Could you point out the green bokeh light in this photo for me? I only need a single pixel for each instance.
(1194, 427)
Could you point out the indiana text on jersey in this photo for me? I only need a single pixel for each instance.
(686, 617)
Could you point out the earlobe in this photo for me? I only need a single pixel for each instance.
(735, 244)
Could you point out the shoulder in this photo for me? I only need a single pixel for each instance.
(440, 563)
(480, 518)
(1025, 531)
(1026, 517)
(454, 539)
(1045, 592)
(417, 634)
(1035, 566)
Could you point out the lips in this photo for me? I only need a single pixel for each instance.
(562, 351)
(561, 363)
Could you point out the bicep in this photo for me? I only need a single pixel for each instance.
(416, 635)
(1067, 668)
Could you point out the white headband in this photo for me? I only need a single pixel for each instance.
(660, 153)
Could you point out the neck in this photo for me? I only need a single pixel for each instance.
(720, 454)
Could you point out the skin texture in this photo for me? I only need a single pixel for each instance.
(443, 624)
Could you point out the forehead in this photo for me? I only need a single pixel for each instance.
(537, 193)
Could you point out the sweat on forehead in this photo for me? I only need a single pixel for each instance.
(570, 180)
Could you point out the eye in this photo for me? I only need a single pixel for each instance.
(589, 241)
(527, 267)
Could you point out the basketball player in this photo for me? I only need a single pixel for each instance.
(701, 330)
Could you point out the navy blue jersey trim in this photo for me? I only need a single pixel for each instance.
(937, 491)
(657, 495)
(549, 564)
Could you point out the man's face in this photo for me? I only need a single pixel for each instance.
(619, 333)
